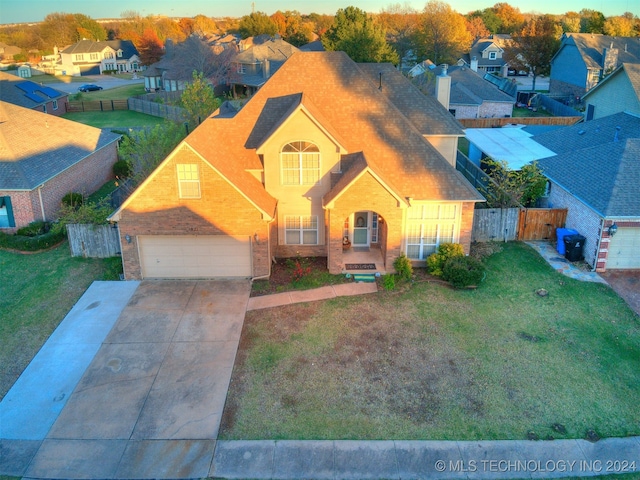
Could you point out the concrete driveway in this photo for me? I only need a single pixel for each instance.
(151, 399)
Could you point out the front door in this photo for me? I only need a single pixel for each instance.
(361, 229)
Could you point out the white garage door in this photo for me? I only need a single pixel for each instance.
(624, 249)
(203, 256)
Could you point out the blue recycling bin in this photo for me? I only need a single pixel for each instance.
(560, 234)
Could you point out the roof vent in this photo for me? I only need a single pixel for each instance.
(615, 138)
(581, 132)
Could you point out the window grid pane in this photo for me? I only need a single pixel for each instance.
(188, 180)
(301, 229)
(300, 163)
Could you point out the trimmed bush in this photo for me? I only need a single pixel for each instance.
(73, 199)
(403, 267)
(389, 282)
(31, 244)
(121, 169)
(463, 271)
(436, 261)
(34, 229)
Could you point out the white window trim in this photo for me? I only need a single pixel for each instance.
(439, 223)
(300, 168)
(301, 229)
(493, 55)
(55, 104)
(183, 181)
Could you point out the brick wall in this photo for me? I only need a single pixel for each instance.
(580, 218)
(466, 226)
(85, 177)
(157, 209)
(603, 252)
(495, 109)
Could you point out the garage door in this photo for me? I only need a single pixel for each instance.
(194, 256)
(624, 249)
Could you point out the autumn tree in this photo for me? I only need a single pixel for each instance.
(359, 36)
(198, 99)
(442, 36)
(511, 19)
(203, 25)
(61, 29)
(533, 47)
(167, 28)
(322, 22)
(400, 23)
(592, 21)
(477, 28)
(571, 22)
(149, 47)
(619, 27)
(257, 23)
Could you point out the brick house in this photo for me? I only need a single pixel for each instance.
(329, 158)
(28, 94)
(42, 158)
(595, 175)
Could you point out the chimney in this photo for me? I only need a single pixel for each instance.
(266, 69)
(474, 64)
(609, 59)
(443, 87)
(168, 47)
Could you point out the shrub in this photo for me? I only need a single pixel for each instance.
(31, 244)
(95, 214)
(121, 169)
(436, 261)
(34, 229)
(403, 267)
(463, 271)
(72, 199)
(389, 282)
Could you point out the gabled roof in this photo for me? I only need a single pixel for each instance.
(91, 46)
(273, 49)
(26, 93)
(591, 47)
(350, 104)
(469, 88)
(35, 147)
(597, 162)
(632, 70)
(480, 46)
(423, 111)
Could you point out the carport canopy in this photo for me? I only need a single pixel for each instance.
(511, 144)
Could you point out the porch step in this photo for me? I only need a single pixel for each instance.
(359, 277)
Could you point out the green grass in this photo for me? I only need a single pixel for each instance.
(48, 79)
(429, 362)
(117, 93)
(38, 291)
(103, 192)
(117, 119)
(525, 112)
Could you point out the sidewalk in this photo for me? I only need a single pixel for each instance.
(561, 264)
(322, 293)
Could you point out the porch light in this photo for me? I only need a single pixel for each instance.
(256, 237)
(127, 237)
(613, 229)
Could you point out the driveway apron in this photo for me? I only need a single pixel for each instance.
(151, 400)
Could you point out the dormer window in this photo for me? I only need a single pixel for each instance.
(300, 163)
(119, 53)
(493, 55)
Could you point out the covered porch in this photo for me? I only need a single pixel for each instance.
(361, 259)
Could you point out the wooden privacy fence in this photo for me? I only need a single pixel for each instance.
(176, 114)
(502, 121)
(505, 224)
(93, 241)
(97, 106)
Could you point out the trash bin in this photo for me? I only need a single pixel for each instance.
(560, 234)
(573, 247)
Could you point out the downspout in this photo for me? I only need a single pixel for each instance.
(595, 263)
(44, 217)
(264, 277)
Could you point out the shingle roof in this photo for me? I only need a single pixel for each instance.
(632, 71)
(34, 146)
(90, 46)
(274, 50)
(353, 107)
(13, 89)
(591, 46)
(598, 163)
(469, 88)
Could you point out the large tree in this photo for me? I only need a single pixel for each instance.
(592, 21)
(571, 22)
(359, 36)
(257, 23)
(442, 35)
(511, 19)
(533, 47)
(150, 47)
(619, 27)
(194, 55)
(400, 22)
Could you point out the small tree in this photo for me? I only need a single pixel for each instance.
(257, 23)
(512, 188)
(198, 99)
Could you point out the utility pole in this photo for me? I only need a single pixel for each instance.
(253, 7)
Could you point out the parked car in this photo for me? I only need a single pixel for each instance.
(89, 87)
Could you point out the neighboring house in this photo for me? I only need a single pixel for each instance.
(262, 57)
(304, 168)
(471, 96)
(584, 59)
(32, 95)
(8, 51)
(595, 174)
(88, 57)
(619, 92)
(485, 56)
(42, 158)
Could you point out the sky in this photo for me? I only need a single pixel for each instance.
(20, 11)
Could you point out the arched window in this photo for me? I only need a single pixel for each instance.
(300, 163)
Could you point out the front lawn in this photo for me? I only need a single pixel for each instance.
(430, 362)
(116, 93)
(114, 119)
(36, 293)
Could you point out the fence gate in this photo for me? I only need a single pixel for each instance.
(540, 223)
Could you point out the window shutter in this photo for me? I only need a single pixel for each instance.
(7, 204)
